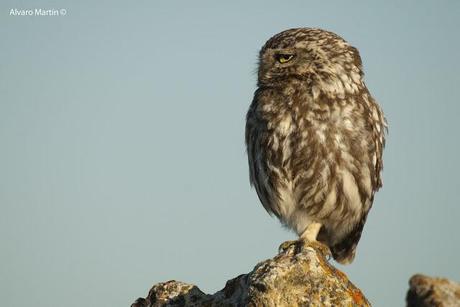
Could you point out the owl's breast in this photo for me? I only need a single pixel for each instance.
(318, 158)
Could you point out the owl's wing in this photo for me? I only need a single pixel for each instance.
(379, 128)
(258, 169)
(344, 251)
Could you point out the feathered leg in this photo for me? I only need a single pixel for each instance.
(311, 232)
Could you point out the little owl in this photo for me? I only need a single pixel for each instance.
(314, 138)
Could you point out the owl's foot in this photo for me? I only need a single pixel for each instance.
(319, 246)
(307, 238)
(298, 246)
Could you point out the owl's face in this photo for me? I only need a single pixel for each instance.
(315, 56)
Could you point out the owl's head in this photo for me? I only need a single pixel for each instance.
(321, 59)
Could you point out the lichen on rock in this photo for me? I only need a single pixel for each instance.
(299, 275)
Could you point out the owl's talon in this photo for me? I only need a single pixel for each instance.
(289, 244)
(298, 246)
(322, 248)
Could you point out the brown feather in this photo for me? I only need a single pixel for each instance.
(315, 137)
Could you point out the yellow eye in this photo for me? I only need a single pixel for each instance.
(283, 58)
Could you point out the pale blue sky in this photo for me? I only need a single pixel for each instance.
(122, 152)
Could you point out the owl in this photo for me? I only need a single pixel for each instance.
(314, 138)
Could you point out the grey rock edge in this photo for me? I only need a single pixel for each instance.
(299, 275)
(427, 291)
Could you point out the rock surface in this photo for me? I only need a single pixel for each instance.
(299, 275)
(425, 291)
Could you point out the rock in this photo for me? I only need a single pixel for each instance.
(425, 291)
(299, 275)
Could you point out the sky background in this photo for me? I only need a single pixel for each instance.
(122, 145)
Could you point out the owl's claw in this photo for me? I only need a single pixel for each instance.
(289, 244)
(298, 246)
(323, 248)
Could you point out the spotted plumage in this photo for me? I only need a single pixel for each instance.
(315, 137)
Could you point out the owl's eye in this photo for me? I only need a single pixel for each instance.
(283, 58)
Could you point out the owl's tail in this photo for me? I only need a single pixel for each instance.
(344, 251)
